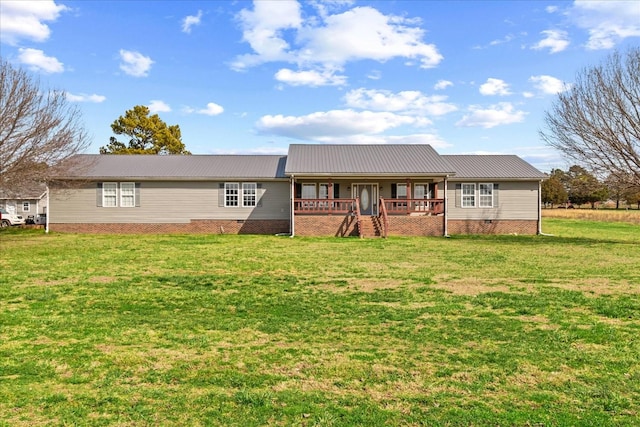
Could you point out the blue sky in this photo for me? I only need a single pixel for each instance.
(253, 77)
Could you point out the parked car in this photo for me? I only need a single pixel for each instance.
(8, 219)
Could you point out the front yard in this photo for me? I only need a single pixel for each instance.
(264, 330)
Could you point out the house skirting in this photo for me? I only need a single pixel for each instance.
(496, 226)
(200, 226)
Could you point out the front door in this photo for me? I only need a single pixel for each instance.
(368, 194)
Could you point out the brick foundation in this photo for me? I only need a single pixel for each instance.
(318, 225)
(416, 225)
(203, 226)
(311, 225)
(493, 227)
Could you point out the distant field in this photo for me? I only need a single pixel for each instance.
(195, 330)
(611, 215)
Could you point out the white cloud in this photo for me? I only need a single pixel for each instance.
(310, 78)
(189, 21)
(335, 125)
(365, 33)
(555, 40)
(26, 20)
(502, 113)
(528, 94)
(157, 106)
(38, 61)
(212, 109)
(262, 28)
(442, 84)
(548, 85)
(83, 97)
(276, 31)
(495, 87)
(375, 75)
(551, 9)
(134, 63)
(413, 102)
(608, 22)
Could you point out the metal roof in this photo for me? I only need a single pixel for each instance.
(420, 159)
(492, 166)
(177, 166)
(303, 159)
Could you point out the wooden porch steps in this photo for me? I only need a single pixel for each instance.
(371, 227)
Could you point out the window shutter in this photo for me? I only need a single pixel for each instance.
(259, 192)
(99, 194)
(394, 191)
(137, 194)
(298, 191)
(458, 195)
(495, 196)
(336, 191)
(221, 195)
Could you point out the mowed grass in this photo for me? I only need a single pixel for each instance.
(264, 330)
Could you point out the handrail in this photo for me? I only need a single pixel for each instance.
(413, 206)
(358, 219)
(382, 211)
(323, 206)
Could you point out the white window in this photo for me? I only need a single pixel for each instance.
(249, 194)
(323, 191)
(401, 191)
(468, 195)
(421, 191)
(110, 194)
(231, 193)
(485, 199)
(26, 207)
(127, 194)
(308, 191)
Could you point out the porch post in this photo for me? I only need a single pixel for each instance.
(408, 196)
(330, 195)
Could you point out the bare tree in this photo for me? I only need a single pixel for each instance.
(597, 122)
(39, 129)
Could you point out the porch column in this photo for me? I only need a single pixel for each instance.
(409, 196)
(330, 195)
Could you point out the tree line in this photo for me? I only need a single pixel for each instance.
(577, 186)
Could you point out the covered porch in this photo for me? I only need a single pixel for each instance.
(370, 207)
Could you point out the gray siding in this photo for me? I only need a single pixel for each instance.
(167, 202)
(516, 200)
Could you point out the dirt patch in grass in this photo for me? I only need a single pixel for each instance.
(471, 287)
(599, 286)
(364, 285)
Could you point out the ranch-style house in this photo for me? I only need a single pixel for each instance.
(314, 190)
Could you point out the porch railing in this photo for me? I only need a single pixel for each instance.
(414, 206)
(358, 217)
(324, 206)
(382, 213)
(348, 206)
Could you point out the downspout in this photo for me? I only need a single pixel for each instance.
(46, 225)
(446, 206)
(292, 191)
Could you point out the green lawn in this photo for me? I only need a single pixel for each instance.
(264, 330)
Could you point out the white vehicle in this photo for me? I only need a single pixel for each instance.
(8, 219)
